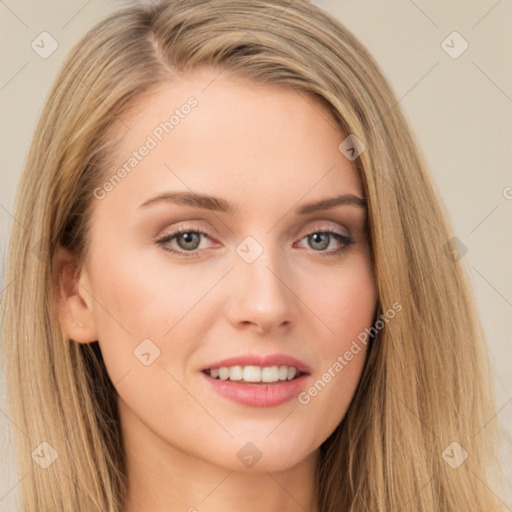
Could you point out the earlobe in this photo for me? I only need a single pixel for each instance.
(74, 306)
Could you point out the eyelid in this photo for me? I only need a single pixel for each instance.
(317, 226)
(322, 226)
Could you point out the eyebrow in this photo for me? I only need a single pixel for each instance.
(212, 203)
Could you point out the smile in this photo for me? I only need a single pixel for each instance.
(251, 373)
(257, 393)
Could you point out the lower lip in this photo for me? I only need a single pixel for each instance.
(259, 394)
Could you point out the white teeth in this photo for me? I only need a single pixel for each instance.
(291, 372)
(254, 373)
(270, 374)
(236, 373)
(223, 373)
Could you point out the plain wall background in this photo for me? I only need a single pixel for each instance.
(459, 108)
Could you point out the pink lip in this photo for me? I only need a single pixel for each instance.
(258, 394)
(255, 360)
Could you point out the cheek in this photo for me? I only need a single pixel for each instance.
(345, 304)
(139, 297)
(140, 319)
(348, 309)
(148, 313)
(143, 289)
(134, 308)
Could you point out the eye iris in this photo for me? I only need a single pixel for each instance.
(189, 239)
(315, 237)
(192, 240)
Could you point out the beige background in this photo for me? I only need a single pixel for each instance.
(460, 110)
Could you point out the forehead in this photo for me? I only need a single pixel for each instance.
(230, 137)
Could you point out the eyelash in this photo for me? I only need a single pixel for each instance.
(163, 241)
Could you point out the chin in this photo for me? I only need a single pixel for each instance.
(268, 463)
(261, 457)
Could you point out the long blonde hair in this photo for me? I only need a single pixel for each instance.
(426, 381)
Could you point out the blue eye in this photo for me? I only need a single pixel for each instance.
(323, 240)
(189, 240)
(190, 237)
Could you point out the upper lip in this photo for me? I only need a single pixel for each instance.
(257, 360)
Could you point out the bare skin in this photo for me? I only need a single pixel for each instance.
(267, 151)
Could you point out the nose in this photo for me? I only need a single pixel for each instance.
(262, 299)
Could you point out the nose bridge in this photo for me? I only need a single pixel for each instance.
(262, 296)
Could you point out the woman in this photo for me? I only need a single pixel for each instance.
(244, 292)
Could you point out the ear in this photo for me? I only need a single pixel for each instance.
(74, 300)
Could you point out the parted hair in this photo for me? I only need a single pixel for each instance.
(426, 380)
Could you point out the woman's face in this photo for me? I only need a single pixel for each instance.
(266, 285)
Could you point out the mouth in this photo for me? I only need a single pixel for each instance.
(251, 374)
(257, 386)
